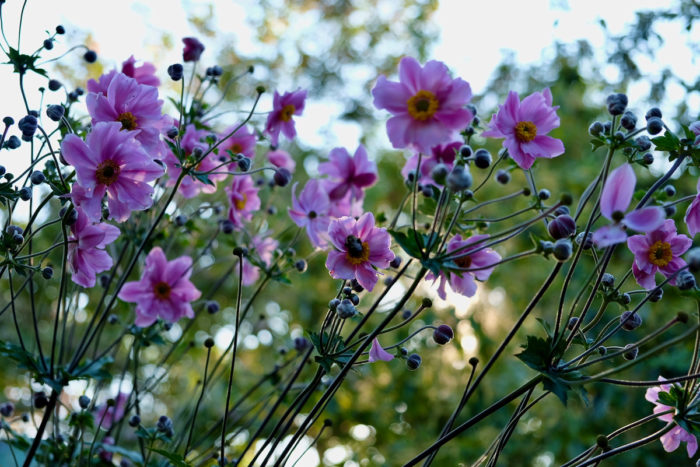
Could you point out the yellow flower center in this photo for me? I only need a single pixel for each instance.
(660, 253)
(240, 203)
(107, 172)
(525, 131)
(423, 105)
(162, 290)
(357, 250)
(463, 261)
(127, 120)
(237, 148)
(287, 112)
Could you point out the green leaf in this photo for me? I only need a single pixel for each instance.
(176, 459)
(667, 142)
(133, 456)
(407, 241)
(536, 353)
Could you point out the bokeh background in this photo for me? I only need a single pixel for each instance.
(385, 414)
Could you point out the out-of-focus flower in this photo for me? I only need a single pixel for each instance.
(658, 251)
(360, 248)
(692, 215)
(280, 158)
(525, 125)
(164, 291)
(243, 199)
(241, 142)
(348, 174)
(86, 251)
(614, 201)
(440, 154)
(466, 258)
(192, 50)
(310, 210)
(427, 105)
(376, 352)
(135, 106)
(263, 247)
(111, 415)
(144, 74)
(110, 162)
(284, 107)
(671, 440)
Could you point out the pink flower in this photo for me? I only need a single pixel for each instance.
(110, 161)
(467, 258)
(671, 440)
(692, 215)
(658, 250)
(525, 125)
(614, 201)
(345, 206)
(190, 186)
(241, 142)
(376, 352)
(164, 291)
(135, 106)
(111, 415)
(310, 211)
(144, 74)
(280, 158)
(284, 107)
(86, 252)
(428, 105)
(440, 154)
(349, 174)
(193, 49)
(361, 247)
(243, 199)
(263, 248)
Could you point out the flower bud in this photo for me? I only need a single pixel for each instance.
(502, 177)
(40, 400)
(544, 194)
(6, 409)
(134, 421)
(84, 402)
(628, 121)
(473, 361)
(587, 242)
(301, 343)
(301, 266)
(648, 158)
(212, 307)
(346, 309)
(413, 361)
(47, 272)
(443, 334)
(656, 295)
(685, 280)
(670, 190)
(631, 352)
(244, 164)
(396, 262)
(693, 257)
(630, 320)
(54, 85)
(175, 71)
(617, 103)
(439, 173)
(653, 112)
(595, 129)
(482, 159)
(572, 323)
(282, 176)
(459, 179)
(625, 299)
(209, 343)
(562, 250)
(90, 56)
(561, 210)
(55, 112)
(25, 193)
(608, 280)
(654, 126)
(227, 226)
(13, 142)
(426, 302)
(563, 226)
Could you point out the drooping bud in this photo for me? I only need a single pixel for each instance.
(443, 334)
(563, 226)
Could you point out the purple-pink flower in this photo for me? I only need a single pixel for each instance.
(360, 248)
(192, 50)
(135, 106)
(348, 174)
(376, 352)
(263, 247)
(658, 251)
(243, 199)
(86, 251)
(110, 162)
(692, 214)
(483, 262)
(190, 186)
(310, 211)
(281, 158)
(525, 125)
(241, 142)
(164, 291)
(671, 440)
(111, 415)
(427, 104)
(284, 107)
(144, 74)
(614, 201)
(440, 154)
